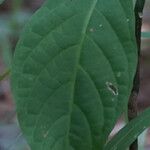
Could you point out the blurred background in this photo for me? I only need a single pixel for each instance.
(13, 15)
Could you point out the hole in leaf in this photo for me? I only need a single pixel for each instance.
(112, 88)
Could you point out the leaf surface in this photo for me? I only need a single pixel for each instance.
(1, 1)
(72, 72)
(145, 35)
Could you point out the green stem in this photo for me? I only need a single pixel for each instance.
(4, 75)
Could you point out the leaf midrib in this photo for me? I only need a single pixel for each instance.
(83, 33)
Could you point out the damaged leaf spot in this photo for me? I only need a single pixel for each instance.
(45, 134)
(91, 30)
(119, 74)
(112, 88)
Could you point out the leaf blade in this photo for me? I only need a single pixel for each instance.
(130, 132)
(145, 35)
(1, 1)
(58, 80)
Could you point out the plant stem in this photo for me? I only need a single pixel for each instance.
(132, 105)
(5, 74)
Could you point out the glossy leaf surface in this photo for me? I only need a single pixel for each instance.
(73, 71)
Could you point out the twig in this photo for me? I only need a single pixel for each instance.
(132, 105)
(4, 75)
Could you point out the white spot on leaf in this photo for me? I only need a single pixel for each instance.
(113, 99)
(128, 20)
(45, 134)
(119, 74)
(112, 88)
(91, 30)
(100, 25)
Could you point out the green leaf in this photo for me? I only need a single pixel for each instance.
(130, 132)
(145, 35)
(142, 140)
(72, 72)
(1, 1)
(134, 2)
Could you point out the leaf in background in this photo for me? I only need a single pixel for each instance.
(1, 1)
(72, 72)
(5, 44)
(130, 132)
(6, 51)
(145, 35)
